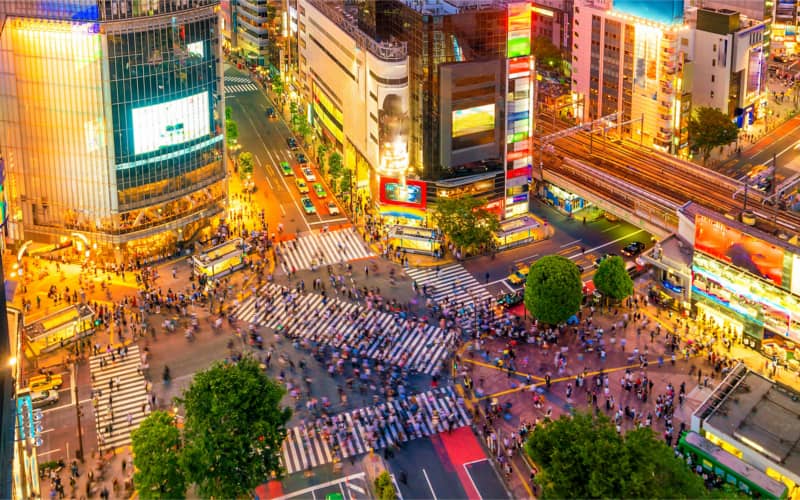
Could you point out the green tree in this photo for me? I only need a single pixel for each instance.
(612, 280)
(553, 291)
(246, 164)
(228, 112)
(584, 457)
(384, 487)
(548, 56)
(710, 128)
(335, 166)
(156, 457)
(231, 131)
(322, 150)
(346, 182)
(465, 222)
(233, 430)
(277, 86)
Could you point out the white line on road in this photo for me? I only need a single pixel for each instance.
(354, 487)
(470, 476)
(48, 452)
(611, 228)
(48, 430)
(605, 244)
(507, 285)
(429, 484)
(530, 257)
(359, 475)
(565, 245)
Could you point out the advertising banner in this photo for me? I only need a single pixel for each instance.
(744, 251)
(411, 194)
(393, 129)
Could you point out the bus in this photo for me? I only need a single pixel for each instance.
(747, 478)
(220, 260)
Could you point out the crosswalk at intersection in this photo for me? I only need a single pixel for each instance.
(319, 249)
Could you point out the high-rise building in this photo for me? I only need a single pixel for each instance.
(633, 67)
(111, 121)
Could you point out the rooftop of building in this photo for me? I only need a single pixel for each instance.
(674, 251)
(758, 412)
(450, 7)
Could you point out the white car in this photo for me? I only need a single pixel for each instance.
(333, 208)
(309, 174)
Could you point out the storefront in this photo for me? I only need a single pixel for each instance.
(563, 200)
(220, 260)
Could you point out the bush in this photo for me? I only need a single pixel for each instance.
(384, 487)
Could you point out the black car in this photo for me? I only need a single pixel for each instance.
(271, 113)
(301, 159)
(291, 142)
(603, 257)
(633, 249)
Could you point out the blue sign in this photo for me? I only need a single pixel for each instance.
(662, 11)
(519, 198)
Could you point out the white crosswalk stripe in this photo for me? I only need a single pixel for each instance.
(319, 249)
(421, 347)
(355, 432)
(451, 281)
(237, 79)
(239, 88)
(127, 400)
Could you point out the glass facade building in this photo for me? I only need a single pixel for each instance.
(111, 121)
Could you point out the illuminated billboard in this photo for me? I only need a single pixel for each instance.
(393, 130)
(169, 123)
(473, 120)
(408, 194)
(796, 275)
(196, 49)
(738, 249)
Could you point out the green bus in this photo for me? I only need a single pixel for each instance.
(747, 478)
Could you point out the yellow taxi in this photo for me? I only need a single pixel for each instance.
(42, 383)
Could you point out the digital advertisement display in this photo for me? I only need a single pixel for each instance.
(473, 120)
(167, 124)
(743, 251)
(196, 49)
(410, 194)
(796, 274)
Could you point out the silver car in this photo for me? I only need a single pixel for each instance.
(40, 399)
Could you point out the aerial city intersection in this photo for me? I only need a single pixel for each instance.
(399, 249)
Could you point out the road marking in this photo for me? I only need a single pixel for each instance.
(507, 285)
(48, 430)
(310, 489)
(607, 244)
(532, 257)
(48, 452)
(470, 476)
(565, 245)
(396, 487)
(354, 487)
(611, 228)
(430, 485)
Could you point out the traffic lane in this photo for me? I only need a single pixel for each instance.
(486, 480)
(427, 473)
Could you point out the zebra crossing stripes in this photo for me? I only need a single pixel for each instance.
(318, 249)
(340, 323)
(375, 427)
(451, 281)
(111, 416)
(239, 88)
(237, 79)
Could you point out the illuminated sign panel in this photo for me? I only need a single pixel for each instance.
(743, 251)
(196, 49)
(473, 120)
(170, 123)
(796, 275)
(409, 194)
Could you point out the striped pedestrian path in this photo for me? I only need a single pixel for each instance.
(236, 79)
(355, 432)
(122, 381)
(331, 321)
(239, 88)
(316, 249)
(452, 281)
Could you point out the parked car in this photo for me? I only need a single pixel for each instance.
(301, 159)
(271, 113)
(309, 174)
(633, 249)
(286, 169)
(292, 143)
(308, 205)
(40, 399)
(333, 208)
(301, 186)
(45, 382)
(319, 190)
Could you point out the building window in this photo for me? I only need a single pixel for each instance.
(712, 78)
(714, 48)
(713, 63)
(712, 94)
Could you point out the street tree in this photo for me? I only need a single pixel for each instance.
(228, 112)
(710, 128)
(231, 131)
(335, 166)
(346, 182)
(584, 457)
(466, 222)
(246, 164)
(234, 428)
(553, 291)
(277, 86)
(156, 457)
(612, 280)
(322, 150)
(548, 56)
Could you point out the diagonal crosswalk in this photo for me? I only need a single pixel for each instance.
(120, 396)
(376, 427)
(318, 249)
(238, 88)
(452, 281)
(367, 331)
(236, 79)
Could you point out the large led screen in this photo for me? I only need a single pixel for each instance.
(170, 123)
(473, 120)
(732, 246)
(409, 193)
(796, 275)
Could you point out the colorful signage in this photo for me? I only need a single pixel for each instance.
(741, 250)
(518, 172)
(473, 120)
(408, 194)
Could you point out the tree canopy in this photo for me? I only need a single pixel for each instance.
(710, 128)
(612, 280)
(335, 166)
(246, 164)
(553, 291)
(548, 56)
(465, 222)
(231, 131)
(234, 428)
(156, 453)
(584, 457)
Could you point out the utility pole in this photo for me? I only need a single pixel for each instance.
(78, 413)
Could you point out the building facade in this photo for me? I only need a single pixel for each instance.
(633, 67)
(111, 122)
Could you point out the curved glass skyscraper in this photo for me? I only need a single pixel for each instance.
(111, 121)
